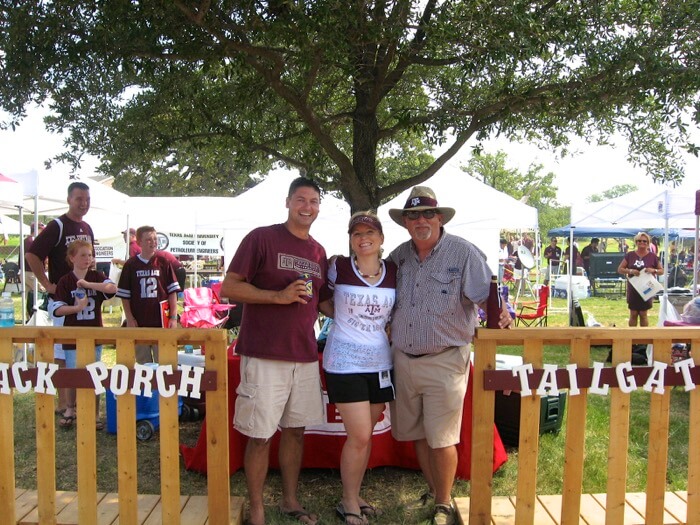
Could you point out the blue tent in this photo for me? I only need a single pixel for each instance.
(593, 232)
(617, 232)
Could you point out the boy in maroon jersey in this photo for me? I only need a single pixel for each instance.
(146, 281)
(78, 298)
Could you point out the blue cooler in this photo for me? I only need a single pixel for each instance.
(147, 413)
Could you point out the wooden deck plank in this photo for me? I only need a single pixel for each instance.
(108, 509)
(71, 512)
(156, 515)
(61, 500)
(552, 505)
(631, 517)
(548, 509)
(462, 506)
(540, 514)
(592, 512)
(146, 506)
(502, 511)
(194, 509)
(25, 502)
(638, 501)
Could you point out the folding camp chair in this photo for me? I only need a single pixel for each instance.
(534, 313)
(203, 309)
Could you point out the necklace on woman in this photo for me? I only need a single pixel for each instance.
(367, 276)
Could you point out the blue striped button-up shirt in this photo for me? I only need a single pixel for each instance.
(436, 298)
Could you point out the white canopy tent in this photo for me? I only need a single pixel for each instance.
(264, 204)
(664, 208)
(482, 212)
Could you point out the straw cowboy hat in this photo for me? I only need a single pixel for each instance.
(421, 198)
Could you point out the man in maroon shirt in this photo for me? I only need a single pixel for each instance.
(52, 243)
(279, 273)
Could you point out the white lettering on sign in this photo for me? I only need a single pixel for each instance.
(189, 386)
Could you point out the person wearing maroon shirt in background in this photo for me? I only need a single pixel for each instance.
(146, 281)
(180, 271)
(52, 243)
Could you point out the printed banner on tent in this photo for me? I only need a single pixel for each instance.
(208, 244)
(103, 251)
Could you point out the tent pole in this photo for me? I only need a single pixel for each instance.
(22, 269)
(569, 270)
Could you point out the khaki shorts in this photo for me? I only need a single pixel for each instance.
(430, 396)
(277, 393)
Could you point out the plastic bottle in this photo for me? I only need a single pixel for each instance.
(7, 311)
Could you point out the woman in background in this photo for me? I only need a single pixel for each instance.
(634, 263)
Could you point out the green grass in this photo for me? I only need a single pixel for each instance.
(395, 490)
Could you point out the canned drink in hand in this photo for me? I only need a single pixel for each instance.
(80, 293)
(309, 284)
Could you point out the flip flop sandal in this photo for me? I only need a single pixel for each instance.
(299, 514)
(370, 510)
(66, 421)
(344, 515)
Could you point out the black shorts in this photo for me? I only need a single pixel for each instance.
(353, 388)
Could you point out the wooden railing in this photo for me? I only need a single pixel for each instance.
(579, 341)
(215, 385)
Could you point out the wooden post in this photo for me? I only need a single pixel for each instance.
(169, 440)
(483, 404)
(7, 434)
(618, 444)
(575, 441)
(87, 439)
(658, 441)
(528, 447)
(218, 483)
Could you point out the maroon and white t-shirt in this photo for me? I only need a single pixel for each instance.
(270, 258)
(53, 241)
(146, 284)
(91, 315)
(357, 342)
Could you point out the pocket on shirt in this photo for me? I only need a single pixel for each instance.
(443, 293)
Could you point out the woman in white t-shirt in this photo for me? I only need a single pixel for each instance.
(357, 357)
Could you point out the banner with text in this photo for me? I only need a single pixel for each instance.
(205, 244)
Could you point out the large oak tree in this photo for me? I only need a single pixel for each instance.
(188, 95)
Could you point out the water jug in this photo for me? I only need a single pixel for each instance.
(7, 311)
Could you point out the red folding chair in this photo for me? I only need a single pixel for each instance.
(534, 313)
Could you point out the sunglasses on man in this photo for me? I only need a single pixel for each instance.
(415, 215)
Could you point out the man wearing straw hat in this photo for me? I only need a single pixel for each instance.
(441, 280)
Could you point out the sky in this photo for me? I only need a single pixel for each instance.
(592, 171)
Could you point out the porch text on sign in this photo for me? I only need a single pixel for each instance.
(120, 379)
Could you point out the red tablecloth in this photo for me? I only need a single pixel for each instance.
(323, 444)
